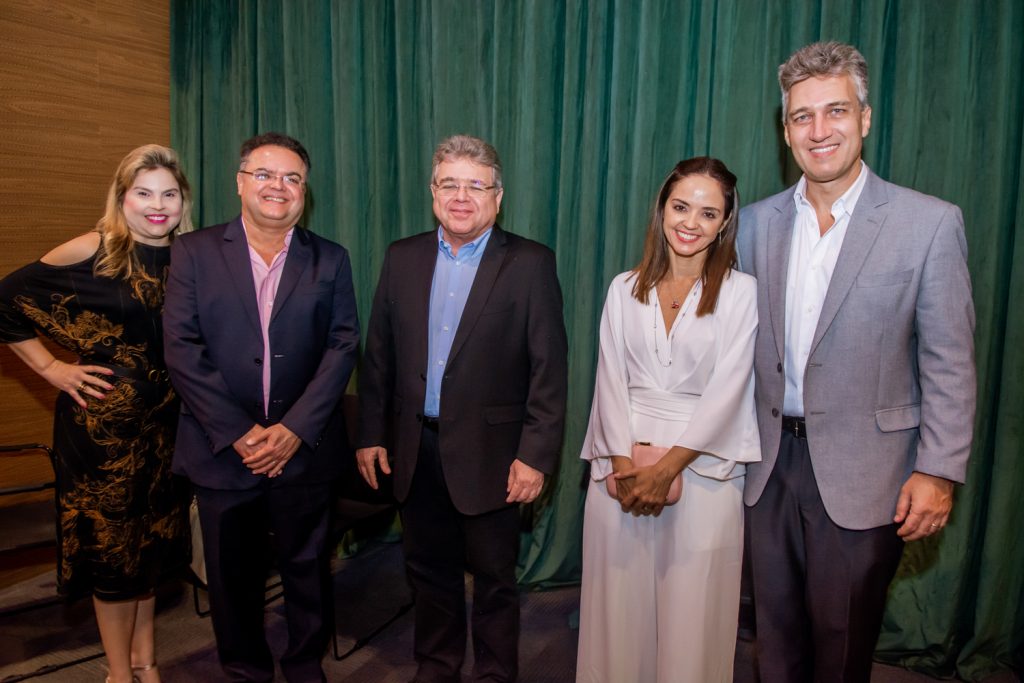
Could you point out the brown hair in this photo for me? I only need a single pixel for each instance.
(821, 60)
(467, 147)
(722, 252)
(117, 247)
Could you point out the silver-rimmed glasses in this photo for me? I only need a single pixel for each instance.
(293, 179)
(449, 188)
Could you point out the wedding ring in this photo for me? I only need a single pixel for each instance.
(81, 385)
(935, 525)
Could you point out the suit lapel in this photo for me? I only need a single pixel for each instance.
(418, 277)
(780, 238)
(865, 224)
(297, 260)
(236, 257)
(483, 283)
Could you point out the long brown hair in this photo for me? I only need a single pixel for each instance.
(722, 252)
(117, 248)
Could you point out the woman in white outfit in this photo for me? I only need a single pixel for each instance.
(661, 582)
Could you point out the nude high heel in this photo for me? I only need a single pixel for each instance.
(141, 670)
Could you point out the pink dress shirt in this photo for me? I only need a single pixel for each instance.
(267, 279)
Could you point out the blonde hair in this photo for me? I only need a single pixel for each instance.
(117, 247)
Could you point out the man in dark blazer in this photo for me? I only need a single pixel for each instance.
(462, 396)
(261, 336)
(865, 388)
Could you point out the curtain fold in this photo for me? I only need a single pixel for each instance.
(590, 103)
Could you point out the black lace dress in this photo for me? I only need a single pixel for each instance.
(122, 514)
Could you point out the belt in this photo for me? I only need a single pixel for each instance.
(795, 426)
(156, 376)
(431, 423)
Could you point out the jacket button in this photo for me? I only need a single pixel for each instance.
(257, 361)
(779, 367)
(775, 412)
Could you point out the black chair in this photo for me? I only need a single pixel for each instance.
(21, 543)
(31, 515)
(360, 509)
(13, 541)
(357, 508)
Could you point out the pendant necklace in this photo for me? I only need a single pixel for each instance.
(686, 305)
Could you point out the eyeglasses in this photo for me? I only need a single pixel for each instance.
(293, 179)
(475, 189)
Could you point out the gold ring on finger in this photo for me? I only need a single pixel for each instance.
(81, 385)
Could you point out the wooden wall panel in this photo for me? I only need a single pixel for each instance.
(81, 84)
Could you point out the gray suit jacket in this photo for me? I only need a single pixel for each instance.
(889, 386)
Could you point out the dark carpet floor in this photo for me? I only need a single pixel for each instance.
(369, 590)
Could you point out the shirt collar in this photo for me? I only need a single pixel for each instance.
(845, 204)
(287, 236)
(470, 249)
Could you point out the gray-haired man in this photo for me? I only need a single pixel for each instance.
(865, 378)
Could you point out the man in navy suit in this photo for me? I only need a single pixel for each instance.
(462, 395)
(261, 336)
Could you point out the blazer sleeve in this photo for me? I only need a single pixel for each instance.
(541, 440)
(195, 377)
(945, 353)
(377, 371)
(608, 431)
(309, 415)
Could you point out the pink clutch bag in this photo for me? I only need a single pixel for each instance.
(645, 455)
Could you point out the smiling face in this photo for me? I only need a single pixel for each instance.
(273, 204)
(825, 127)
(152, 206)
(465, 214)
(693, 214)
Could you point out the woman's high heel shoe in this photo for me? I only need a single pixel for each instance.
(136, 670)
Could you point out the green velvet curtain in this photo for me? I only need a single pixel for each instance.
(589, 105)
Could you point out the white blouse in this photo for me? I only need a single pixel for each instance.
(693, 387)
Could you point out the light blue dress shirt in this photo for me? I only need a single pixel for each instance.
(449, 290)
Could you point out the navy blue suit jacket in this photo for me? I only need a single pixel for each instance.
(214, 352)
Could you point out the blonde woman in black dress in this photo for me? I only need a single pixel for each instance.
(122, 516)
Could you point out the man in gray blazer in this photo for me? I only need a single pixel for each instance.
(865, 378)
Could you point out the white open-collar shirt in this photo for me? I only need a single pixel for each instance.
(812, 259)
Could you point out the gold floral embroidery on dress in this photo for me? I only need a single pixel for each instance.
(136, 443)
(83, 332)
(114, 423)
(79, 334)
(127, 433)
(147, 289)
